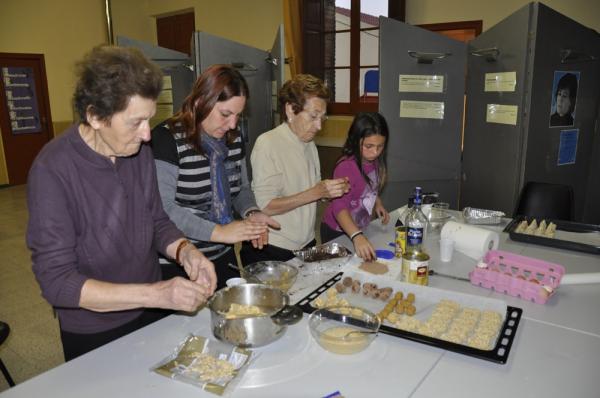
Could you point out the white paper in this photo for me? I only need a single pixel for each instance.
(501, 81)
(422, 109)
(421, 84)
(470, 240)
(502, 114)
(426, 298)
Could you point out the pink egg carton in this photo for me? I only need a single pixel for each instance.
(518, 276)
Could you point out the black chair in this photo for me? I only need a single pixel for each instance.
(546, 201)
(4, 332)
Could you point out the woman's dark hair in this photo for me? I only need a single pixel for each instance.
(108, 76)
(365, 125)
(216, 84)
(298, 90)
(569, 82)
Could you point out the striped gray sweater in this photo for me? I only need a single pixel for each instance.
(185, 188)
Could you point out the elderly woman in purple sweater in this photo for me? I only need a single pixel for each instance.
(95, 215)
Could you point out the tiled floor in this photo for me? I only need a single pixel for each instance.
(34, 342)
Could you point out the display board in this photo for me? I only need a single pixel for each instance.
(421, 96)
(542, 129)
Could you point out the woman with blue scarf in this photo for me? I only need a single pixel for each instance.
(202, 177)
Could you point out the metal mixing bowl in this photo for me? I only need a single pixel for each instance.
(252, 330)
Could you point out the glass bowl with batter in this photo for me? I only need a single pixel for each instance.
(276, 274)
(343, 330)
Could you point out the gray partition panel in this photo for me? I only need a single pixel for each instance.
(173, 63)
(422, 151)
(277, 56)
(209, 50)
(492, 152)
(556, 33)
(592, 197)
(498, 159)
(164, 57)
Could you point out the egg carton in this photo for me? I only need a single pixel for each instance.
(518, 276)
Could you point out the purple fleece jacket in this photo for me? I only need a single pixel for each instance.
(360, 200)
(90, 218)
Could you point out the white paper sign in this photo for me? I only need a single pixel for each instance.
(502, 114)
(421, 84)
(422, 109)
(504, 81)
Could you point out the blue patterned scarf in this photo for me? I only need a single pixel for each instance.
(216, 150)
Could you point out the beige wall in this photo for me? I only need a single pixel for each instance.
(130, 18)
(586, 12)
(41, 27)
(249, 22)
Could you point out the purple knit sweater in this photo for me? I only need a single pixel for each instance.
(90, 218)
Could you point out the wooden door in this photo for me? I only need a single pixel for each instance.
(24, 112)
(175, 32)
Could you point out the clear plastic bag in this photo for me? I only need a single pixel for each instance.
(214, 366)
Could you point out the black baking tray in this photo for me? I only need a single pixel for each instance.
(499, 354)
(561, 225)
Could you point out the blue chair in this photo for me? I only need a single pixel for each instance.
(371, 83)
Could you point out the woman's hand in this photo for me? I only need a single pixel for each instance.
(363, 248)
(200, 269)
(181, 295)
(331, 189)
(381, 212)
(262, 218)
(239, 231)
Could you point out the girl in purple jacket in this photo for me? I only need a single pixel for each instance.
(363, 163)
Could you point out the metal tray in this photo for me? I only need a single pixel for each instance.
(322, 253)
(482, 216)
(499, 354)
(566, 226)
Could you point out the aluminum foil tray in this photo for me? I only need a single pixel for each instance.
(482, 216)
(322, 252)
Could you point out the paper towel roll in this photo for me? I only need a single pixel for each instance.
(470, 240)
(578, 279)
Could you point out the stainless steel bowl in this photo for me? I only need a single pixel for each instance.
(252, 330)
